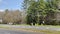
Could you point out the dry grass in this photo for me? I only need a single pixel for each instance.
(31, 30)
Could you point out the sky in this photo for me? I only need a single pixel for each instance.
(10, 4)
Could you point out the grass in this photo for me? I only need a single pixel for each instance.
(22, 25)
(32, 30)
(55, 26)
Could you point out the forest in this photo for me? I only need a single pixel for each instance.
(34, 12)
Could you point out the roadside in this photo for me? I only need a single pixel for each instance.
(38, 29)
(42, 27)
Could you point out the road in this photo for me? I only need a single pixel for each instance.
(4, 31)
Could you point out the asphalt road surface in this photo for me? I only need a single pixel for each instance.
(4, 31)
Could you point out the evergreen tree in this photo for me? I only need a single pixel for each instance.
(41, 10)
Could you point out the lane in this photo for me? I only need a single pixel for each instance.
(3, 31)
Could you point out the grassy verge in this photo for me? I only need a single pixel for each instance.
(31, 30)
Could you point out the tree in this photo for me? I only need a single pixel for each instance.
(5, 16)
(13, 17)
(31, 13)
(52, 8)
(17, 17)
(42, 10)
(26, 4)
(35, 11)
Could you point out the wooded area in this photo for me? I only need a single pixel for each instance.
(42, 11)
(34, 12)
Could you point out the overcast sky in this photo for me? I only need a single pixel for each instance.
(10, 4)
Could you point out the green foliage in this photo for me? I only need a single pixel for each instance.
(31, 13)
(42, 10)
(34, 9)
